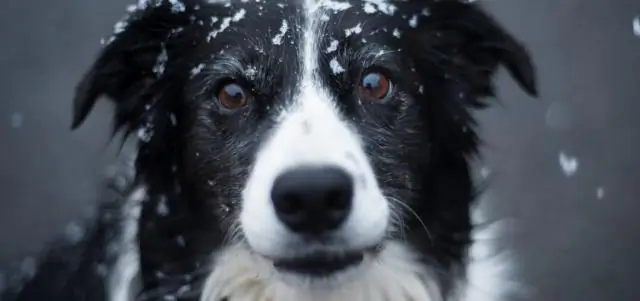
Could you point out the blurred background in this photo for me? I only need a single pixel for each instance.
(562, 169)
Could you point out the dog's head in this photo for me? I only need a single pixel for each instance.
(311, 133)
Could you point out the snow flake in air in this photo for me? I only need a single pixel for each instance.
(568, 163)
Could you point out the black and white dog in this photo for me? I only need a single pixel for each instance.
(299, 150)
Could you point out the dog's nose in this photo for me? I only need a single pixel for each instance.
(313, 200)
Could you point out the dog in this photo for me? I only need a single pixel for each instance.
(295, 150)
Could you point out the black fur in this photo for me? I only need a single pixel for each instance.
(194, 157)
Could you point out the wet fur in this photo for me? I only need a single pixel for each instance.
(193, 160)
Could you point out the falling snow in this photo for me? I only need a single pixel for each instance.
(569, 164)
(74, 232)
(600, 193)
(335, 66)
(485, 172)
(636, 26)
(17, 120)
(29, 267)
(277, 40)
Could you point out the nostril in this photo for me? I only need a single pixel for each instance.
(288, 204)
(337, 200)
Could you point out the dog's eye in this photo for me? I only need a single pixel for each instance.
(232, 96)
(375, 86)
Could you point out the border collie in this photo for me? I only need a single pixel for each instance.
(299, 150)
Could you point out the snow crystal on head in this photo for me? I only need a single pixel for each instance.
(334, 5)
(251, 72)
(277, 40)
(197, 69)
(354, 30)
(336, 68)
(333, 46)
(413, 22)
(226, 22)
(383, 6)
(177, 6)
(161, 61)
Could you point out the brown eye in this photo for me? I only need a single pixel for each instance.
(232, 96)
(375, 86)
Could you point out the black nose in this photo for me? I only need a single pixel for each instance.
(313, 200)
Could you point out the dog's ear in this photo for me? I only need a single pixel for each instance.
(479, 44)
(130, 63)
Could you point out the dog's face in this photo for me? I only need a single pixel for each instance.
(311, 133)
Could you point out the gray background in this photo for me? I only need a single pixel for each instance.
(575, 234)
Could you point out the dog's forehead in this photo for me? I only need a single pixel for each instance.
(268, 26)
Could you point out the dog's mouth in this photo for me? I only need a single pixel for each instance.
(320, 264)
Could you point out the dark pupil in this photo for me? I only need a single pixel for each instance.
(371, 82)
(234, 91)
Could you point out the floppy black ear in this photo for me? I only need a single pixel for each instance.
(130, 63)
(480, 44)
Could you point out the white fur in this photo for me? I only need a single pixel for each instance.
(121, 283)
(310, 131)
(394, 275)
(490, 271)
